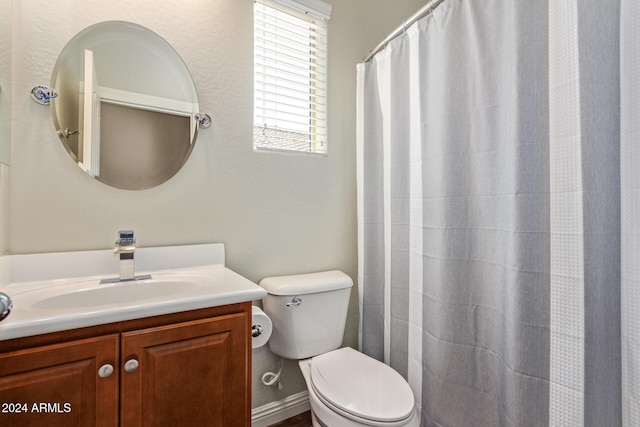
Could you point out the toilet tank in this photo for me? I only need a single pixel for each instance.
(308, 312)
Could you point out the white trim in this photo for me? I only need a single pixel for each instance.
(315, 8)
(275, 412)
(148, 102)
(259, 148)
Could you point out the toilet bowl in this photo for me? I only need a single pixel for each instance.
(346, 388)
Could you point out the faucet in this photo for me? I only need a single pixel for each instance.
(125, 248)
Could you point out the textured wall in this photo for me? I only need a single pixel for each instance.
(5, 117)
(4, 205)
(5, 81)
(276, 213)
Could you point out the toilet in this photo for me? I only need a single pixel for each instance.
(346, 388)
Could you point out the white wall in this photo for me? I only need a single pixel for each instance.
(5, 81)
(5, 118)
(4, 205)
(277, 214)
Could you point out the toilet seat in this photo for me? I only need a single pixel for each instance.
(361, 388)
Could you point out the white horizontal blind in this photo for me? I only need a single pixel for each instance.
(290, 80)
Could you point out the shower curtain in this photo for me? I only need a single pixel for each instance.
(498, 151)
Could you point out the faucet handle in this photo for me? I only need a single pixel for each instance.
(125, 234)
(126, 243)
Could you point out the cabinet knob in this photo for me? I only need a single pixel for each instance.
(131, 365)
(105, 370)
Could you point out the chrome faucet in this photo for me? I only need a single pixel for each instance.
(125, 248)
(126, 242)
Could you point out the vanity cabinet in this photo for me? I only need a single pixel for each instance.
(188, 368)
(58, 385)
(187, 374)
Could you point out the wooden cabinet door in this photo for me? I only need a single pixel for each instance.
(59, 385)
(190, 374)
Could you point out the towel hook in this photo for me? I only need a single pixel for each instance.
(204, 120)
(43, 94)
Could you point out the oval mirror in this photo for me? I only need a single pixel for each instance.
(126, 109)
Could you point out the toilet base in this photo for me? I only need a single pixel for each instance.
(315, 422)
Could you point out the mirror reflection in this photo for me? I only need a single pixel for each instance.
(126, 106)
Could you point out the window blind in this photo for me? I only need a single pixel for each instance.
(290, 84)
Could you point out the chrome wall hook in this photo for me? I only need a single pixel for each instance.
(204, 120)
(43, 94)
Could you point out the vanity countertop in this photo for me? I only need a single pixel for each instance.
(48, 297)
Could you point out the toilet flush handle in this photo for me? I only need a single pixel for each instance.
(296, 301)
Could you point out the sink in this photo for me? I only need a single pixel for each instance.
(60, 304)
(118, 293)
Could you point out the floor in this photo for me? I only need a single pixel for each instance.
(301, 420)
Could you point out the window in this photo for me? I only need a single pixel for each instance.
(290, 108)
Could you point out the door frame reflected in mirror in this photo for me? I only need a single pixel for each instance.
(125, 66)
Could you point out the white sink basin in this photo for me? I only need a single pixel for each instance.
(57, 304)
(93, 294)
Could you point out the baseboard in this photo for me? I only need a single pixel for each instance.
(275, 412)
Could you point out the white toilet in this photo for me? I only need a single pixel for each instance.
(346, 387)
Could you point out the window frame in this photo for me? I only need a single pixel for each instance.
(290, 89)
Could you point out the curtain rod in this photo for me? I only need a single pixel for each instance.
(424, 11)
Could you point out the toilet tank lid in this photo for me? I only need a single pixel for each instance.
(300, 284)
